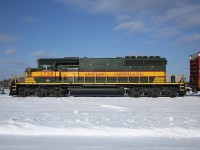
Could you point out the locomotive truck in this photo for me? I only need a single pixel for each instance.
(133, 76)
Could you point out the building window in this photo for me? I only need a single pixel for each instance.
(46, 67)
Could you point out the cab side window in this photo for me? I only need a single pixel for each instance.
(46, 67)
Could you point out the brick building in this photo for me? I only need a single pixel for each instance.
(195, 71)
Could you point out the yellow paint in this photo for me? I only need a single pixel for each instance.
(96, 74)
(45, 74)
(159, 80)
(30, 80)
(112, 74)
(159, 76)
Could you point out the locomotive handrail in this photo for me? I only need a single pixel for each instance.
(84, 78)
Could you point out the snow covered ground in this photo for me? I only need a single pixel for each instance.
(106, 123)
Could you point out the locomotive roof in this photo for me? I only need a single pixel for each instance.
(77, 58)
(59, 60)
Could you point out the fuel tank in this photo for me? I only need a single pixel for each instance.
(96, 91)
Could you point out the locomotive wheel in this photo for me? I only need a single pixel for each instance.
(149, 92)
(181, 93)
(155, 92)
(173, 93)
(135, 93)
(22, 92)
(38, 92)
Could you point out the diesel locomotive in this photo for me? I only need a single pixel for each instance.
(134, 76)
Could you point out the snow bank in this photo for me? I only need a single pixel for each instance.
(26, 129)
(100, 117)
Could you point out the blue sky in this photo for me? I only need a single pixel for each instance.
(32, 29)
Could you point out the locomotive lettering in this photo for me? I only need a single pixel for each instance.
(47, 74)
(113, 74)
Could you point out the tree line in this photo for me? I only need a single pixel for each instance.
(5, 83)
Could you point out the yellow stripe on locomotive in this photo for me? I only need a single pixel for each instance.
(96, 77)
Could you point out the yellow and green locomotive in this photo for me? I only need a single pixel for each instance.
(131, 75)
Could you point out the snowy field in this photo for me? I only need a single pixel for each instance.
(107, 123)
